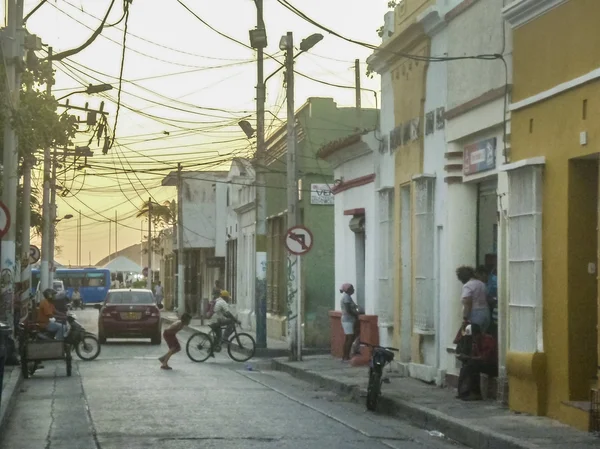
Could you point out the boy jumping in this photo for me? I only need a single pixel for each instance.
(170, 336)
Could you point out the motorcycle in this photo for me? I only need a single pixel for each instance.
(380, 357)
(85, 344)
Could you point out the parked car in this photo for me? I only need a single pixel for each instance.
(129, 313)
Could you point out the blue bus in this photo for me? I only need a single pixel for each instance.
(93, 283)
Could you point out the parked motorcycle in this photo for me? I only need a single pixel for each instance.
(86, 344)
(380, 356)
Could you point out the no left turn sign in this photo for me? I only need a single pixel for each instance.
(4, 219)
(298, 240)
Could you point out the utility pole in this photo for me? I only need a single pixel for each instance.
(44, 268)
(116, 242)
(149, 282)
(180, 246)
(109, 239)
(25, 265)
(359, 124)
(13, 54)
(53, 207)
(260, 292)
(79, 241)
(294, 270)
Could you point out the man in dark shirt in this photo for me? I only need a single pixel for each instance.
(482, 360)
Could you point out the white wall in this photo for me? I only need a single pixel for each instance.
(345, 238)
(199, 211)
(433, 163)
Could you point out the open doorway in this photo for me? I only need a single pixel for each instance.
(583, 276)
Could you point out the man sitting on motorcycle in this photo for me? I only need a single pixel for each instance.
(47, 310)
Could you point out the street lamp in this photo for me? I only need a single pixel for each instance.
(91, 89)
(66, 217)
(247, 128)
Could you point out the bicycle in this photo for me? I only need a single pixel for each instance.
(239, 343)
(380, 356)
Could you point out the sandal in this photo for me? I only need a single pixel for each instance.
(165, 367)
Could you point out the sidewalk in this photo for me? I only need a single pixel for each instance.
(10, 389)
(275, 348)
(479, 425)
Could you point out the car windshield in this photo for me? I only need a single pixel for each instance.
(57, 285)
(130, 298)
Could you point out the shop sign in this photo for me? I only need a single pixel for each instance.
(321, 194)
(479, 156)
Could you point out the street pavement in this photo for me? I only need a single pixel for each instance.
(123, 400)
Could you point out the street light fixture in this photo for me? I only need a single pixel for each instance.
(66, 217)
(91, 89)
(247, 128)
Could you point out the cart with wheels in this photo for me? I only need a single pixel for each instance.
(36, 349)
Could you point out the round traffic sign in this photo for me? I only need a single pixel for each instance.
(298, 240)
(34, 254)
(4, 219)
(145, 272)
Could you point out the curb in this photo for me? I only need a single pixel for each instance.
(259, 353)
(9, 396)
(455, 429)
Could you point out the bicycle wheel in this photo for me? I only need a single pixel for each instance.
(199, 347)
(243, 346)
(373, 390)
(88, 348)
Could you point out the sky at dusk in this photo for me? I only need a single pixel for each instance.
(184, 89)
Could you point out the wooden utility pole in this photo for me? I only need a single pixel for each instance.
(359, 124)
(149, 283)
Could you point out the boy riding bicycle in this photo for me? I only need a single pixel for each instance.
(222, 316)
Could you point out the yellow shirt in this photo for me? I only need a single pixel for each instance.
(45, 312)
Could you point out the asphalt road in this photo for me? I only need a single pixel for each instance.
(123, 400)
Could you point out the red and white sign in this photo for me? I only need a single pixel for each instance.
(298, 240)
(4, 219)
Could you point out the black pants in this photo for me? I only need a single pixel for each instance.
(468, 379)
(228, 330)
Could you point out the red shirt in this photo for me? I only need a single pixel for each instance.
(484, 347)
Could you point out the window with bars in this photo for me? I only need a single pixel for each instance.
(385, 256)
(424, 270)
(231, 270)
(525, 259)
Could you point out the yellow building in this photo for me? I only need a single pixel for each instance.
(553, 340)
(408, 77)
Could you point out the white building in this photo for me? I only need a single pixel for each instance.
(476, 130)
(203, 231)
(239, 238)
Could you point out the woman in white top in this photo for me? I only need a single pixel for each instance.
(474, 298)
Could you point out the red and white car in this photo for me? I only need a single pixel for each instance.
(129, 313)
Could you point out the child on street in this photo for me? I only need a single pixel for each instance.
(170, 336)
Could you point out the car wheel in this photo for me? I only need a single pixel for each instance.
(156, 338)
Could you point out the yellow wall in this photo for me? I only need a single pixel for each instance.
(553, 49)
(558, 46)
(408, 77)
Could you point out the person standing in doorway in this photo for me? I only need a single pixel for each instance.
(217, 289)
(158, 293)
(474, 298)
(349, 318)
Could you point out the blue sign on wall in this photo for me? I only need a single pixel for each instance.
(479, 156)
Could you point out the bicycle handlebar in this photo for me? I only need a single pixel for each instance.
(389, 348)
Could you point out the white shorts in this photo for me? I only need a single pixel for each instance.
(348, 327)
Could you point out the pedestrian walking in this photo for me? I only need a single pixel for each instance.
(158, 293)
(170, 336)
